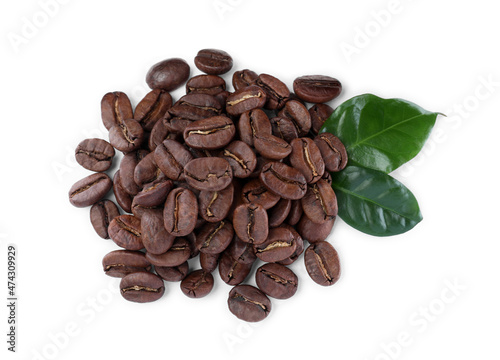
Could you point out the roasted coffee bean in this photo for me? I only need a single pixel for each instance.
(314, 232)
(174, 273)
(246, 99)
(154, 194)
(208, 174)
(120, 263)
(333, 151)
(284, 128)
(317, 88)
(231, 271)
(89, 190)
(152, 108)
(271, 147)
(222, 97)
(277, 92)
(191, 238)
(211, 133)
(176, 125)
(206, 84)
(241, 158)
(213, 61)
(251, 123)
(101, 215)
(261, 162)
(248, 303)
(244, 78)
(251, 223)
(123, 198)
(241, 251)
(168, 74)
(181, 211)
(322, 263)
(279, 212)
(155, 237)
(307, 158)
(276, 281)
(196, 107)
(126, 136)
(158, 135)
(327, 177)
(295, 213)
(178, 253)
(197, 284)
(115, 108)
(280, 245)
(209, 262)
(138, 210)
(171, 157)
(215, 205)
(214, 238)
(320, 202)
(95, 154)
(147, 171)
(298, 114)
(319, 113)
(299, 248)
(142, 287)
(127, 169)
(255, 192)
(283, 180)
(125, 231)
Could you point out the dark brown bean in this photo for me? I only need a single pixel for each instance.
(89, 190)
(320, 202)
(251, 223)
(120, 263)
(241, 251)
(214, 238)
(215, 205)
(158, 135)
(115, 107)
(231, 271)
(280, 245)
(284, 128)
(298, 114)
(209, 262)
(271, 147)
(127, 169)
(255, 192)
(284, 180)
(276, 281)
(178, 253)
(277, 92)
(246, 99)
(126, 136)
(322, 263)
(213, 61)
(147, 171)
(244, 78)
(152, 108)
(209, 174)
(333, 151)
(319, 113)
(197, 284)
(142, 287)
(307, 158)
(314, 232)
(251, 123)
(168, 74)
(171, 157)
(317, 88)
(123, 198)
(299, 248)
(196, 107)
(295, 213)
(95, 154)
(248, 303)
(210, 133)
(174, 273)
(206, 84)
(101, 215)
(125, 231)
(180, 213)
(155, 237)
(279, 212)
(241, 158)
(154, 194)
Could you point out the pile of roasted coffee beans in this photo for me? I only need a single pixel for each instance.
(230, 176)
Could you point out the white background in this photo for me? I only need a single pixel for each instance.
(437, 54)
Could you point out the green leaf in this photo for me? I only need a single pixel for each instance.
(374, 202)
(380, 134)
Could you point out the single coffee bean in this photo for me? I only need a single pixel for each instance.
(327, 177)
(171, 157)
(213, 61)
(280, 244)
(248, 303)
(215, 205)
(251, 223)
(284, 128)
(295, 213)
(255, 192)
(168, 74)
(317, 88)
(178, 253)
(244, 78)
(283, 180)
(222, 97)
(231, 271)
(209, 262)
(147, 171)
(251, 123)
(319, 113)
(298, 114)
(206, 84)
(176, 125)
(154, 194)
(89, 190)
(125, 231)
(210, 133)
(191, 238)
(277, 92)
(197, 284)
(214, 238)
(127, 169)
(246, 99)
(196, 107)
(123, 198)
(333, 151)
(95, 154)
(126, 136)
(320, 202)
(271, 147)
(120, 263)
(174, 273)
(261, 162)
(138, 210)
(241, 158)
(314, 232)
(307, 158)
(279, 212)
(159, 134)
(152, 108)
(209, 174)
(276, 281)
(115, 108)
(241, 251)
(155, 237)
(181, 211)
(142, 287)
(322, 263)
(101, 215)
(299, 248)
